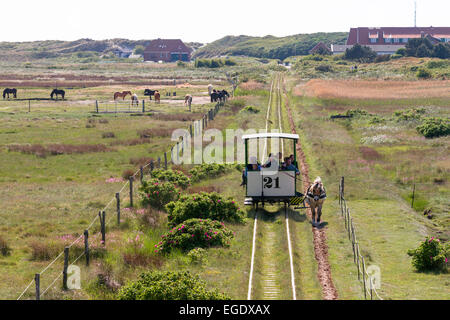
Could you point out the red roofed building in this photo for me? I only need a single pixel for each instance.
(395, 35)
(389, 39)
(167, 50)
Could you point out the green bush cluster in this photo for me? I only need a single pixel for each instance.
(324, 68)
(430, 255)
(409, 115)
(423, 73)
(356, 113)
(203, 205)
(213, 63)
(250, 109)
(197, 255)
(177, 177)
(422, 47)
(360, 53)
(434, 127)
(157, 194)
(195, 233)
(207, 170)
(382, 58)
(158, 285)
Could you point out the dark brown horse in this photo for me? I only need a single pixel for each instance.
(122, 94)
(9, 91)
(57, 92)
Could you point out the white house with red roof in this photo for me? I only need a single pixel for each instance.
(388, 40)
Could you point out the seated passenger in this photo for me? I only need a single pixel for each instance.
(289, 166)
(293, 161)
(253, 165)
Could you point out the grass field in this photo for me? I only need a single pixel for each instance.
(61, 163)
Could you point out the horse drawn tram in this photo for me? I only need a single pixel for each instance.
(274, 182)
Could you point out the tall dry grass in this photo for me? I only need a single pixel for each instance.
(364, 89)
(58, 149)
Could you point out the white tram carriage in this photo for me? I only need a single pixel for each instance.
(269, 185)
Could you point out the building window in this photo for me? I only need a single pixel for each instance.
(373, 40)
(405, 40)
(396, 40)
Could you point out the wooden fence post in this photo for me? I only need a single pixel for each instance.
(37, 281)
(190, 129)
(118, 207)
(29, 105)
(348, 222)
(364, 277)
(96, 106)
(143, 106)
(342, 186)
(103, 226)
(131, 191)
(141, 169)
(152, 166)
(413, 194)
(86, 246)
(66, 265)
(357, 258)
(159, 162)
(165, 160)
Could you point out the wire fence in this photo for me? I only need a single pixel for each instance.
(195, 128)
(368, 281)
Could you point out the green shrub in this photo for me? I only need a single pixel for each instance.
(203, 205)
(324, 68)
(401, 52)
(434, 127)
(177, 177)
(430, 255)
(356, 113)
(423, 74)
(250, 109)
(195, 233)
(437, 64)
(382, 58)
(360, 53)
(5, 250)
(197, 256)
(168, 285)
(157, 194)
(207, 170)
(409, 115)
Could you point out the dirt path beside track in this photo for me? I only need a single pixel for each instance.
(329, 291)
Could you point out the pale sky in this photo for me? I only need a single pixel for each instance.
(206, 21)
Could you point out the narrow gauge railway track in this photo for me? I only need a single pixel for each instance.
(271, 256)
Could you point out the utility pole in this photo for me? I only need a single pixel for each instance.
(415, 13)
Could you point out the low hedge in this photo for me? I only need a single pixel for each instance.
(157, 194)
(158, 285)
(203, 205)
(177, 177)
(195, 233)
(434, 127)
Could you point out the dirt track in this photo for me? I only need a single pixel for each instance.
(329, 291)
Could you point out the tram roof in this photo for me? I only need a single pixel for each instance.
(270, 135)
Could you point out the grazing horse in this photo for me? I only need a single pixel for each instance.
(157, 97)
(134, 99)
(8, 91)
(57, 93)
(122, 94)
(219, 96)
(315, 196)
(210, 89)
(150, 93)
(188, 100)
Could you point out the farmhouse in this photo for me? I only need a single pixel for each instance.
(167, 50)
(388, 40)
